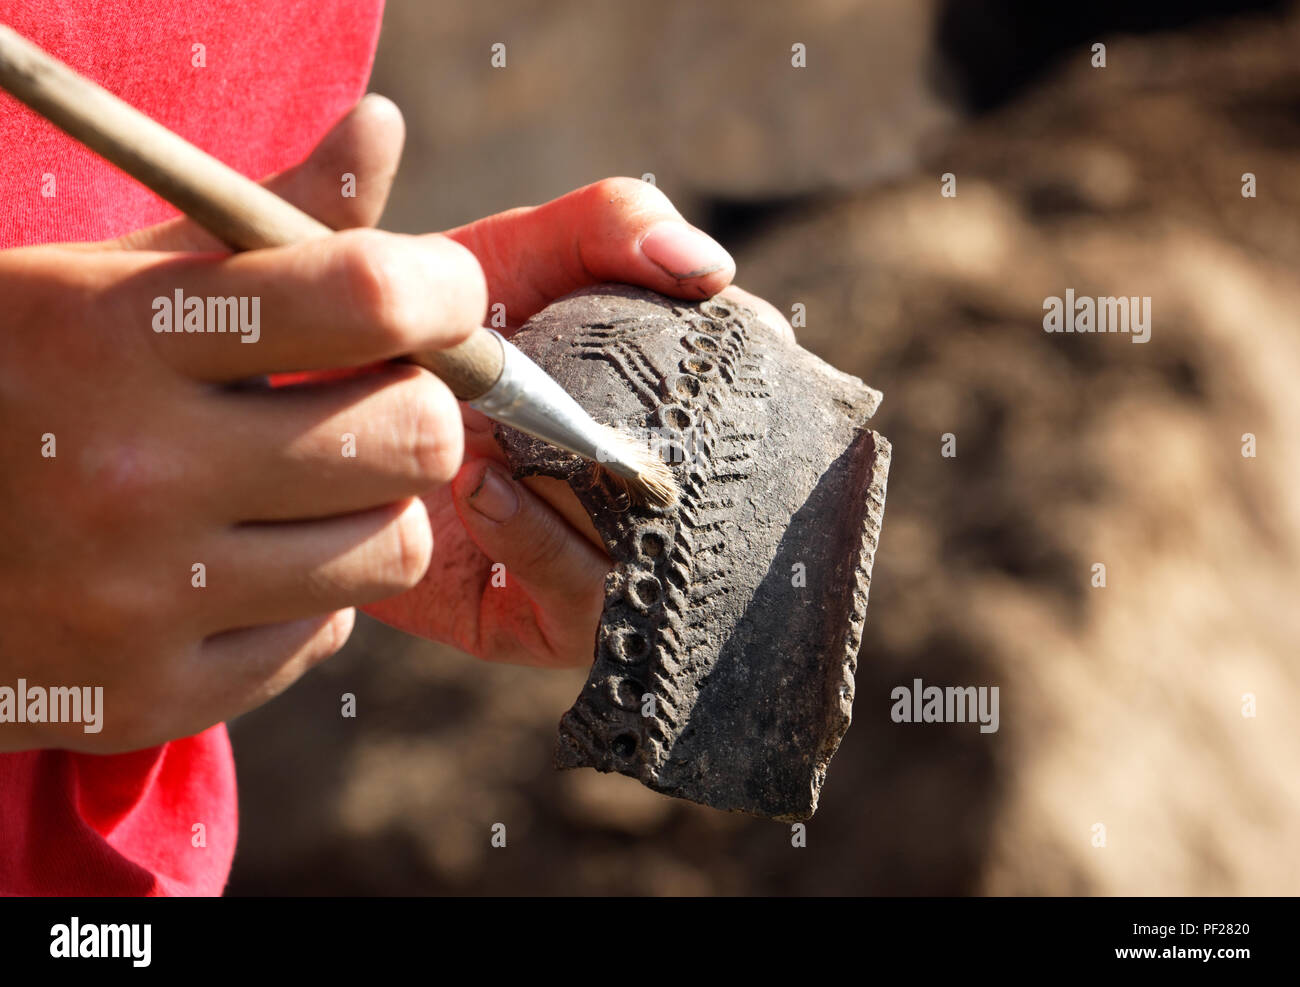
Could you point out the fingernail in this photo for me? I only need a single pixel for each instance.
(683, 251)
(495, 496)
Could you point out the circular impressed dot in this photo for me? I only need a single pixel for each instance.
(626, 693)
(675, 416)
(627, 645)
(647, 590)
(702, 343)
(652, 544)
(687, 387)
(701, 366)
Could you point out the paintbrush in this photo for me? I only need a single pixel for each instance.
(486, 370)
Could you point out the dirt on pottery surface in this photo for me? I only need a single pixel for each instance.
(1121, 706)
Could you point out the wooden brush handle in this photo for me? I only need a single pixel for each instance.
(231, 207)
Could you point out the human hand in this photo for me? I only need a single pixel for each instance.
(128, 457)
(547, 611)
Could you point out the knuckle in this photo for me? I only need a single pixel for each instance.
(109, 608)
(339, 629)
(127, 476)
(434, 433)
(628, 195)
(617, 188)
(331, 638)
(412, 546)
(465, 296)
(377, 276)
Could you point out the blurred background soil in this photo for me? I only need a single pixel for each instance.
(1119, 705)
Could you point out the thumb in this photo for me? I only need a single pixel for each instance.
(559, 570)
(618, 229)
(366, 145)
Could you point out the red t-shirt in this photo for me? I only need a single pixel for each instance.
(257, 85)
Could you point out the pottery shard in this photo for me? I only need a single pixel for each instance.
(725, 656)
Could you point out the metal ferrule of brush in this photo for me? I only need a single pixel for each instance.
(527, 398)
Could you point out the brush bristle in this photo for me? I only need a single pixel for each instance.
(654, 483)
(639, 470)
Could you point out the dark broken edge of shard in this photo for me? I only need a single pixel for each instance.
(733, 619)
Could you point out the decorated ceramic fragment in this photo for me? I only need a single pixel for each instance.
(723, 665)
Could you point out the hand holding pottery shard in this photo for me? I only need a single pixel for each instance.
(725, 656)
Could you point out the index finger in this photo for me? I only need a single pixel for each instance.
(346, 300)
